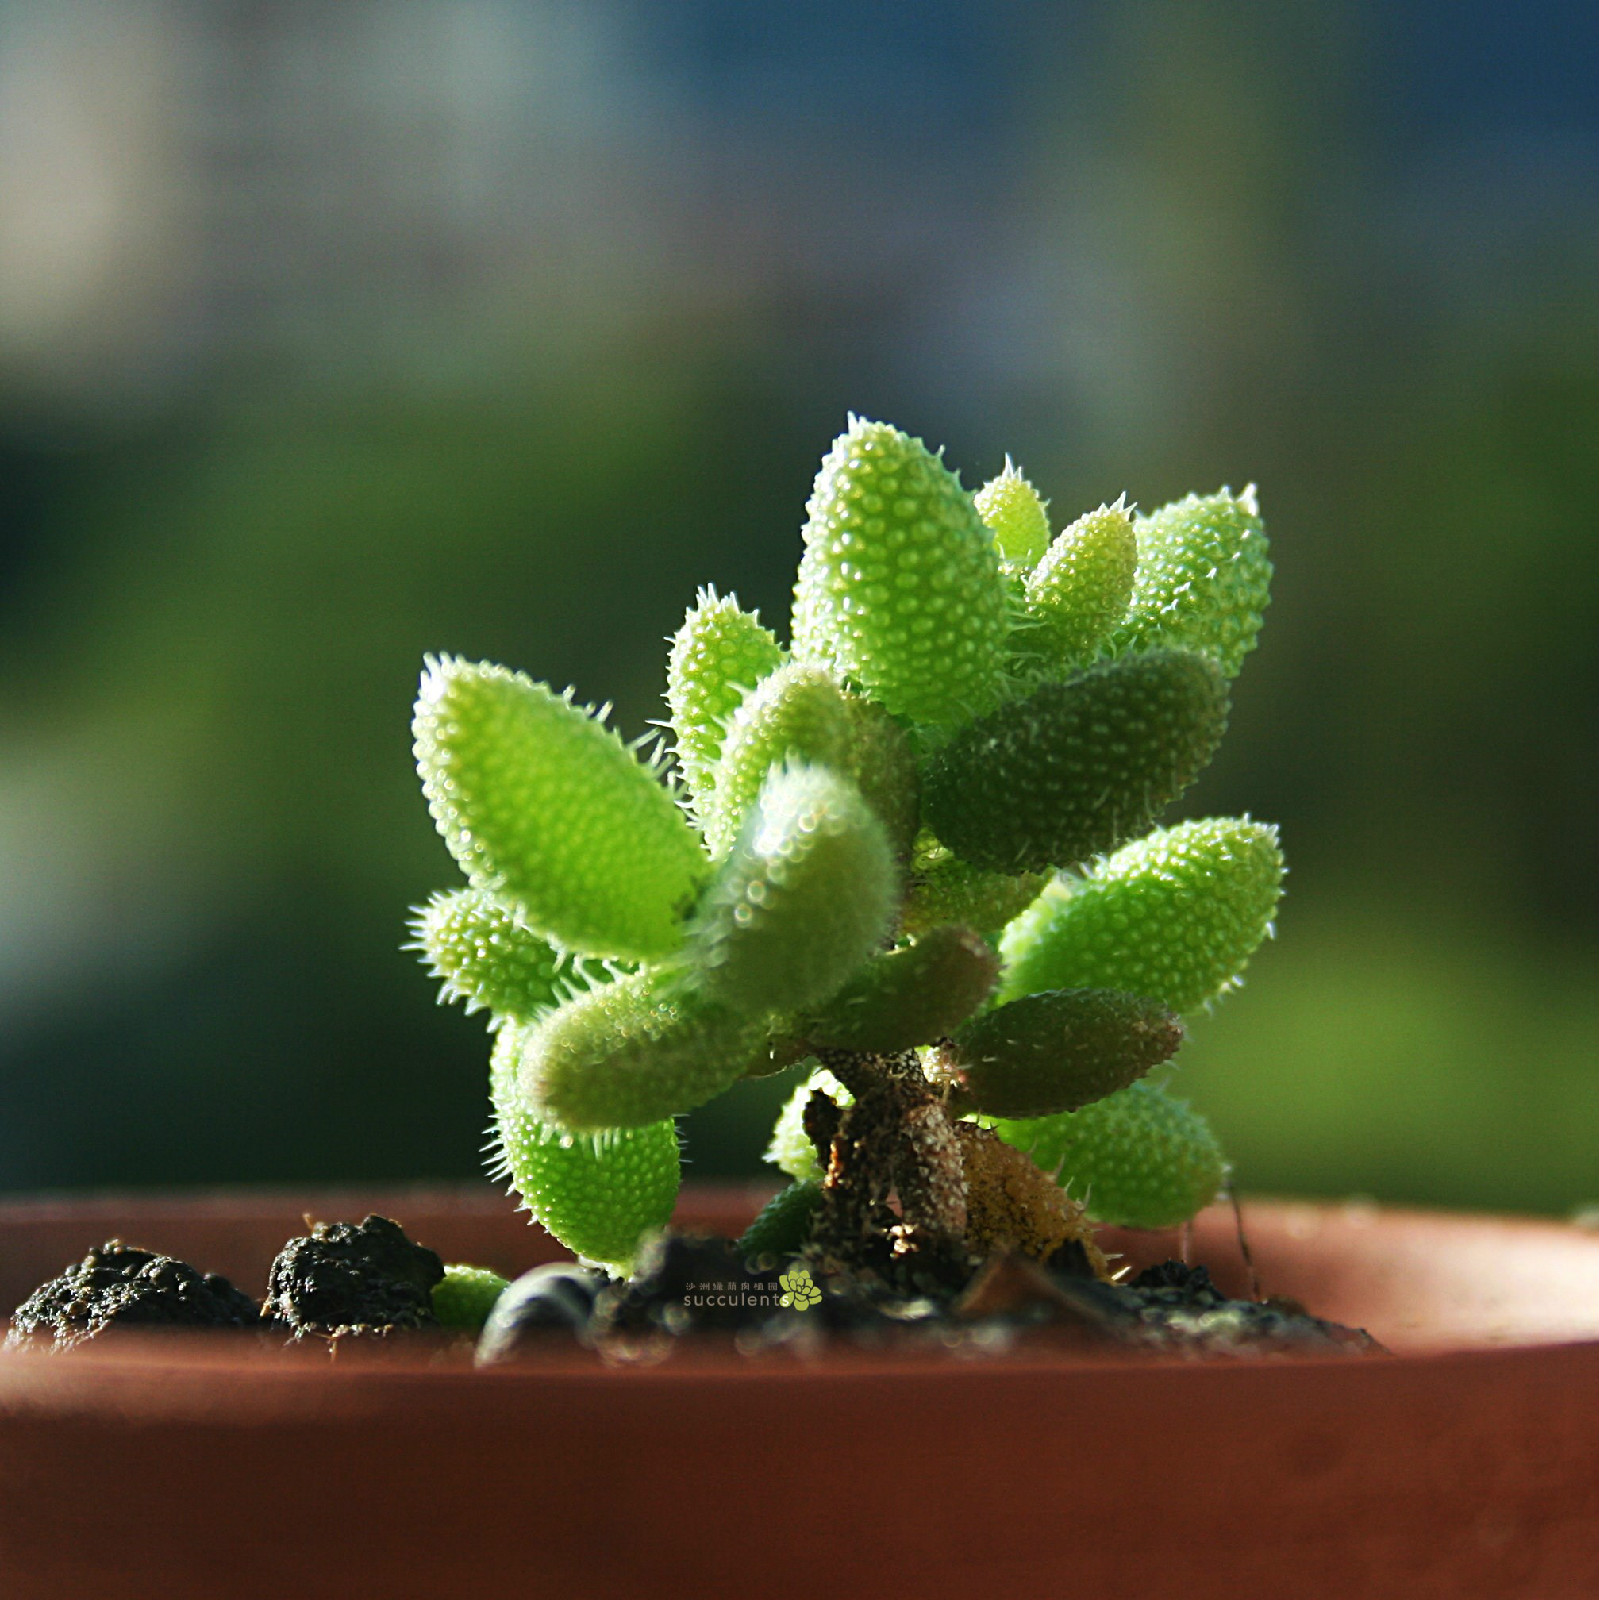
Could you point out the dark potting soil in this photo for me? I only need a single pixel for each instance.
(117, 1286)
(342, 1280)
(347, 1278)
(689, 1284)
(368, 1279)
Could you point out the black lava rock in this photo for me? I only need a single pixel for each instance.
(347, 1278)
(556, 1299)
(119, 1286)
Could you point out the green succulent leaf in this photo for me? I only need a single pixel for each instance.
(483, 949)
(540, 802)
(1076, 767)
(1079, 592)
(719, 654)
(783, 1225)
(899, 588)
(1204, 579)
(796, 714)
(600, 1193)
(943, 888)
(1055, 1051)
(1016, 515)
(790, 1148)
(908, 997)
(1175, 916)
(883, 763)
(1140, 1158)
(634, 1052)
(804, 898)
(464, 1296)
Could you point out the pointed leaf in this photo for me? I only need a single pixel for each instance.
(718, 655)
(1204, 579)
(483, 949)
(899, 588)
(1174, 916)
(541, 802)
(1079, 592)
(1016, 515)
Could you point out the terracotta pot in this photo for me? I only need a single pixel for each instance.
(1464, 1464)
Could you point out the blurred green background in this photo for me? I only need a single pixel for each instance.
(332, 335)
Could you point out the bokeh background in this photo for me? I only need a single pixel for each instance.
(332, 334)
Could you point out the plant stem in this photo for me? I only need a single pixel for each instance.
(895, 1143)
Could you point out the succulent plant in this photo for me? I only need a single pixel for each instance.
(917, 849)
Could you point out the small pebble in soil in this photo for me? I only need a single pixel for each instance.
(347, 1279)
(120, 1286)
(556, 1299)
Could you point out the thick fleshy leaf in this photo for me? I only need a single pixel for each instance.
(899, 588)
(1174, 916)
(943, 888)
(805, 897)
(1204, 579)
(908, 997)
(540, 802)
(795, 714)
(883, 764)
(1078, 767)
(1016, 515)
(1055, 1051)
(599, 1193)
(718, 655)
(633, 1052)
(483, 949)
(1140, 1158)
(784, 1223)
(1079, 592)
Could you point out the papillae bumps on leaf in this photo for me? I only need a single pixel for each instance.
(1017, 516)
(1204, 579)
(718, 655)
(943, 888)
(1079, 591)
(806, 895)
(908, 780)
(1174, 916)
(633, 1052)
(1141, 1158)
(489, 957)
(598, 1193)
(539, 801)
(908, 997)
(1076, 767)
(796, 714)
(1055, 1051)
(899, 588)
